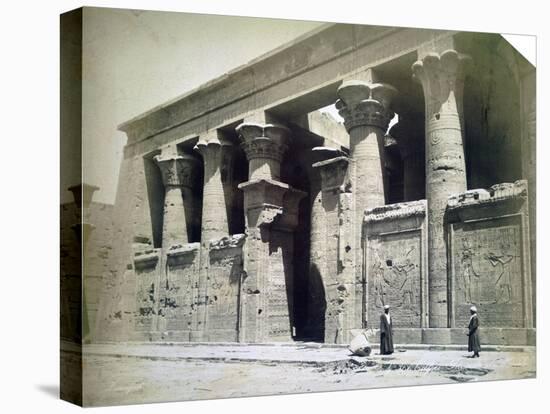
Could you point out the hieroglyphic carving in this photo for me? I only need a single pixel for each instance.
(487, 272)
(178, 290)
(145, 298)
(394, 266)
(467, 279)
(277, 290)
(223, 284)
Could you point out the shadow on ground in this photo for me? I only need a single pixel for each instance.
(51, 390)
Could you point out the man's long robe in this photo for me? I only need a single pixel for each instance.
(386, 335)
(473, 334)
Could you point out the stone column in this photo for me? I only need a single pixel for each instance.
(442, 79)
(216, 152)
(410, 141)
(365, 108)
(265, 292)
(317, 277)
(264, 146)
(528, 116)
(339, 277)
(179, 175)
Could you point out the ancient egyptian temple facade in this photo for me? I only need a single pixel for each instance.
(245, 214)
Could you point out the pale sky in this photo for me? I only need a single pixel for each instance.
(135, 60)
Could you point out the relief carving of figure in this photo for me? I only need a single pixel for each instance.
(503, 281)
(378, 280)
(405, 281)
(469, 275)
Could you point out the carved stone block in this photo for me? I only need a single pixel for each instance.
(395, 264)
(489, 254)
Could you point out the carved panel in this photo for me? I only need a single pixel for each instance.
(145, 298)
(394, 266)
(178, 296)
(223, 286)
(278, 293)
(487, 271)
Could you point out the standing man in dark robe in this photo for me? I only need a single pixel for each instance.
(473, 333)
(386, 332)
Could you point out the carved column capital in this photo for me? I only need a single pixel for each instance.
(441, 75)
(83, 193)
(264, 141)
(365, 104)
(334, 173)
(263, 201)
(216, 154)
(178, 170)
(264, 146)
(208, 149)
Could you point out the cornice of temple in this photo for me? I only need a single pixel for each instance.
(396, 211)
(279, 65)
(495, 194)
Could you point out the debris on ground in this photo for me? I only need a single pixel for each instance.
(360, 345)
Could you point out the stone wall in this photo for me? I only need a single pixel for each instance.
(224, 289)
(489, 256)
(174, 295)
(85, 248)
(395, 264)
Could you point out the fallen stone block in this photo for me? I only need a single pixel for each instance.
(360, 345)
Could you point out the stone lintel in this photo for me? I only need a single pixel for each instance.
(227, 242)
(497, 193)
(333, 173)
(396, 211)
(439, 45)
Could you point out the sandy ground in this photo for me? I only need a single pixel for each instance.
(142, 373)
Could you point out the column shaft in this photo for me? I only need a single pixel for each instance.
(441, 77)
(366, 110)
(217, 192)
(179, 174)
(174, 226)
(367, 150)
(318, 276)
(266, 293)
(339, 278)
